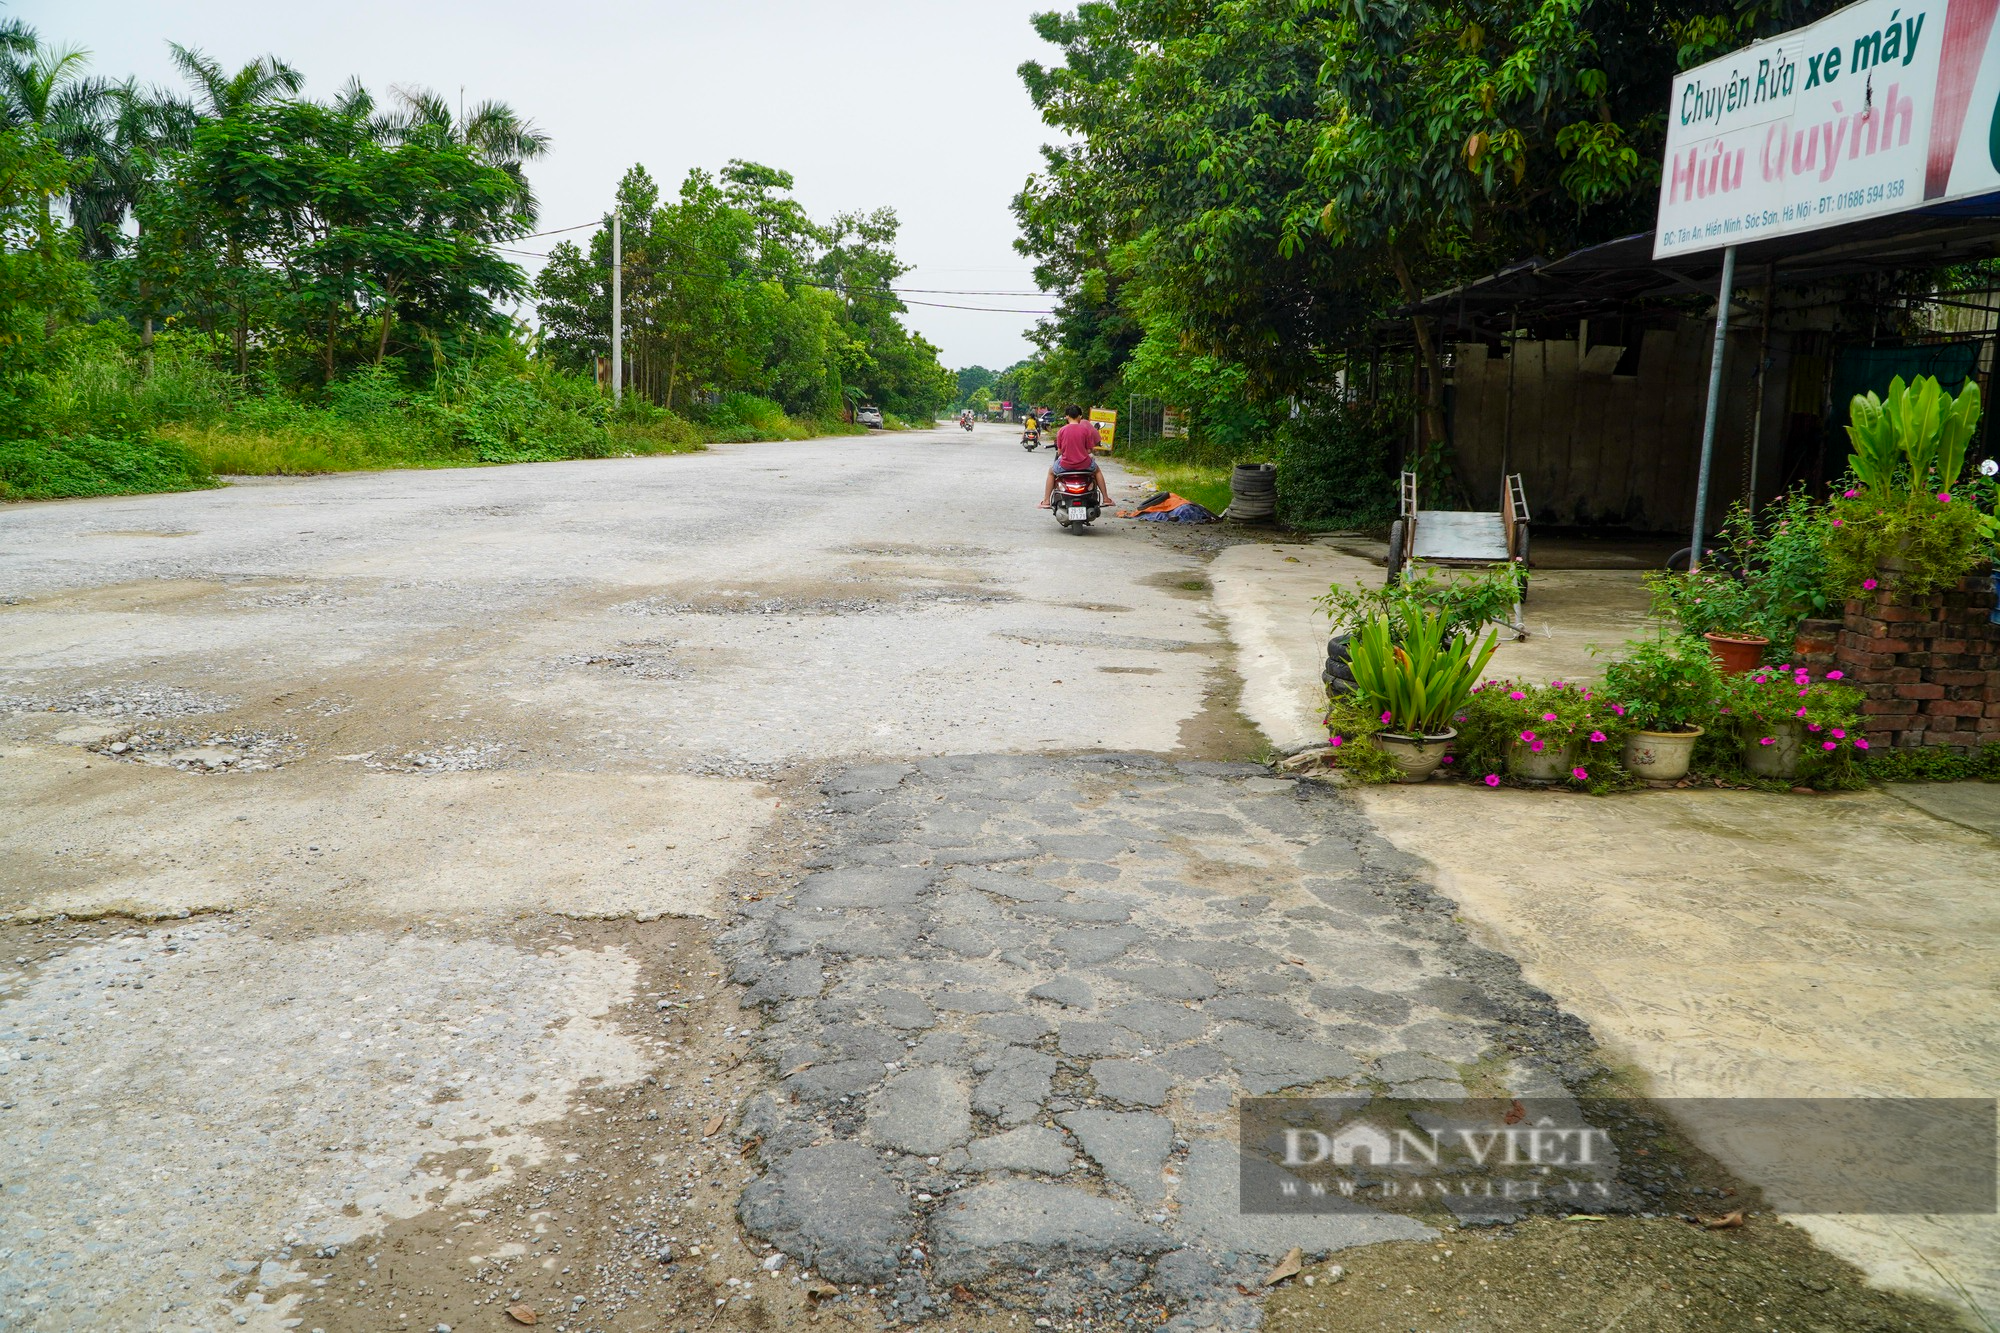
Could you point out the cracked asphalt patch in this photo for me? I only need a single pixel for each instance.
(1014, 1002)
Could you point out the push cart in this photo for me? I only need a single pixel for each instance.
(1463, 538)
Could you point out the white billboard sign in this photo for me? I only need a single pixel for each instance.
(1879, 108)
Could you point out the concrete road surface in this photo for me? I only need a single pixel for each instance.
(722, 888)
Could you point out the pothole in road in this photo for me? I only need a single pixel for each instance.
(910, 549)
(241, 751)
(467, 757)
(642, 661)
(126, 699)
(749, 603)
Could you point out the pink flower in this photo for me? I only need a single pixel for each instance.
(1555, 684)
(1336, 741)
(1812, 726)
(1597, 738)
(1800, 713)
(1517, 695)
(1548, 717)
(1944, 497)
(1618, 709)
(1537, 747)
(1385, 719)
(1762, 679)
(1580, 774)
(1849, 495)
(1836, 522)
(1868, 584)
(1860, 745)
(1829, 745)
(1836, 675)
(1767, 740)
(1839, 735)
(1448, 758)
(1527, 735)
(1492, 779)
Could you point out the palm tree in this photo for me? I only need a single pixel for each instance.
(265, 79)
(144, 125)
(43, 88)
(494, 131)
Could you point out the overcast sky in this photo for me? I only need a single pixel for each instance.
(908, 103)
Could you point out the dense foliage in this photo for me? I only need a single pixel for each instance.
(234, 277)
(1245, 191)
(730, 287)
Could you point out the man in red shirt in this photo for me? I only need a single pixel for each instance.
(1076, 445)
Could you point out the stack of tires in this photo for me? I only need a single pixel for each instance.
(1253, 493)
(1338, 674)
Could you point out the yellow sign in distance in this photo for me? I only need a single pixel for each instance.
(1106, 421)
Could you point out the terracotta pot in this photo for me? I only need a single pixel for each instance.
(1660, 756)
(1737, 654)
(1415, 757)
(1550, 764)
(1779, 759)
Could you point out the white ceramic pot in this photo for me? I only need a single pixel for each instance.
(1415, 757)
(1660, 756)
(1779, 759)
(1551, 764)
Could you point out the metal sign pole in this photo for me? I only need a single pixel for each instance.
(1728, 287)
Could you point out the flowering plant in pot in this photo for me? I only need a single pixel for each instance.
(1667, 692)
(1900, 519)
(1559, 732)
(1416, 674)
(1792, 726)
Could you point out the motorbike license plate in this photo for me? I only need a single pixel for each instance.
(1078, 513)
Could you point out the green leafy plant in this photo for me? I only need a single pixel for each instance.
(1562, 715)
(1464, 602)
(1914, 438)
(1709, 600)
(1420, 676)
(1666, 684)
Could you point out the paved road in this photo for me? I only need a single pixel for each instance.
(430, 892)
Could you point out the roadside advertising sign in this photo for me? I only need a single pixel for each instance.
(1885, 106)
(1106, 421)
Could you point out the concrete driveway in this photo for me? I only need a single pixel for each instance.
(1719, 944)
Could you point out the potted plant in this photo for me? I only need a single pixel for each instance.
(1666, 691)
(1900, 520)
(1791, 725)
(1714, 605)
(1538, 734)
(1417, 673)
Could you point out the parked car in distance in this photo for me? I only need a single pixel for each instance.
(869, 416)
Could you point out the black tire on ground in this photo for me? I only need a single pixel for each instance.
(1395, 553)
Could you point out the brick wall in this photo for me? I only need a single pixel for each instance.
(1931, 669)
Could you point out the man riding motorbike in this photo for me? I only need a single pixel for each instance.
(1076, 451)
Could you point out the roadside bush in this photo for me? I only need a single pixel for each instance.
(90, 465)
(1336, 463)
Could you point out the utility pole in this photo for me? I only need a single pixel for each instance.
(1726, 290)
(617, 311)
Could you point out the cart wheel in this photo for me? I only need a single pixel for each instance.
(1395, 553)
(1521, 556)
